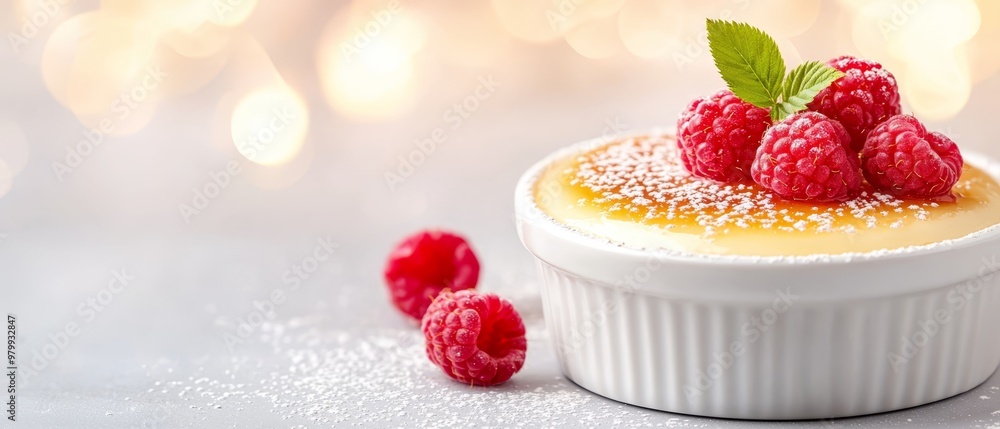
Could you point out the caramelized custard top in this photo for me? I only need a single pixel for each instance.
(636, 192)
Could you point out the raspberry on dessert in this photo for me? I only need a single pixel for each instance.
(426, 263)
(718, 136)
(900, 157)
(864, 97)
(476, 338)
(808, 157)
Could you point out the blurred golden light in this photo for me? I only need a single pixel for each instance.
(109, 66)
(532, 20)
(935, 26)
(249, 65)
(599, 8)
(936, 90)
(187, 74)
(60, 53)
(27, 23)
(204, 41)
(231, 13)
(853, 5)
(14, 149)
(159, 16)
(653, 29)
(596, 39)
(924, 45)
(362, 93)
(568, 15)
(269, 125)
(471, 34)
(784, 18)
(101, 66)
(982, 48)
(364, 60)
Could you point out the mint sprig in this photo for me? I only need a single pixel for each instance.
(751, 64)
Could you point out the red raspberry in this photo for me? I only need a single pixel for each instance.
(425, 264)
(864, 97)
(476, 338)
(718, 136)
(808, 157)
(900, 157)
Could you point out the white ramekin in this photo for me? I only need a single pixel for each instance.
(766, 337)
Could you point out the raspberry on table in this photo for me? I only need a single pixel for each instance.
(719, 135)
(864, 97)
(426, 263)
(808, 157)
(476, 338)
(900, 157)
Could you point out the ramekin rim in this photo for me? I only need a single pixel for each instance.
(525, 200)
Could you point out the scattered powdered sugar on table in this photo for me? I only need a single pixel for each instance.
(643, 177)
(383, 377)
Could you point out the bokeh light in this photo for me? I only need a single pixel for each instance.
(365, 60)
(782, 18)
(483, 40)
(231, 13)
(652, 28)
(26, 24)
(269, 125)
(924, 45)
(531, 20)
(372, 58)
(596, 39)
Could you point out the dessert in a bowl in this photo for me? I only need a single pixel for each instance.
(796, 249)
(684, 295)
(635, 191)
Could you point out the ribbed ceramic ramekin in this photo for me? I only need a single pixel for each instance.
(766, 337)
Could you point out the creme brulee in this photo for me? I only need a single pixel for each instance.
(635, 191)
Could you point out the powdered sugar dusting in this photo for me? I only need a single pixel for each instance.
(382, 377)
(641, 178)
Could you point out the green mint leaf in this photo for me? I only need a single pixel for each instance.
(801, 86)
(748, 60)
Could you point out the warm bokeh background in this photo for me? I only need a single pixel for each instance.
(368, 78)
(319, 118)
